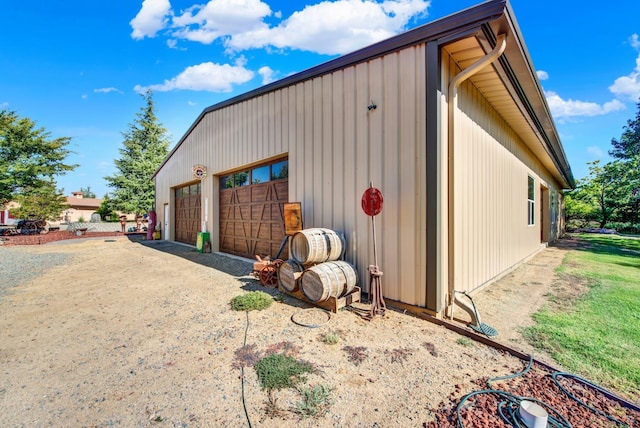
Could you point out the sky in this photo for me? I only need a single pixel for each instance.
(78, 68)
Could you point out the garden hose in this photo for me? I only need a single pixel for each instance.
(244, 404)
(598, 388)
(511, 376)
(508, 407)
(512, 402)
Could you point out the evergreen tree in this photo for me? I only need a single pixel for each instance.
(145, 146)
(87, 193)
(42, 203)
(29, 158)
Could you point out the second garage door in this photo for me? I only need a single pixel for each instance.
(187, 213)
(251, 210)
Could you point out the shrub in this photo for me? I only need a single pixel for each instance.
(253, 300)
(315, 400)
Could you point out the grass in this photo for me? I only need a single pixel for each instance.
(464, 342)
(330, 338)
(596, 335)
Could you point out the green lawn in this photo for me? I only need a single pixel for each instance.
(598, 335)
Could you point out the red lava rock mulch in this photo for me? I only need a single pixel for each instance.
(482, 410)
(60, 235)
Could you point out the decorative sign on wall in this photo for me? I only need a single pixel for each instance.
(292, 218)
(199, 171)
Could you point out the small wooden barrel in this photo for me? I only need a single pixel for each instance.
(288, 274)
(317, 245)
(335, 278)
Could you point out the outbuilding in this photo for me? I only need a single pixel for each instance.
(448, 120)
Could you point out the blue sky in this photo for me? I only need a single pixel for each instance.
(77, 67)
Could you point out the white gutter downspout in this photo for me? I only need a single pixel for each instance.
(452, 98)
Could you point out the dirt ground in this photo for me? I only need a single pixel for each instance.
(134, 334)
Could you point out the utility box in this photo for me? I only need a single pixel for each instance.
(203, 238)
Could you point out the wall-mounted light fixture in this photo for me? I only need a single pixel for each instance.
(372, 106)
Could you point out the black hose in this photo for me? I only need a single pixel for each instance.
(244, 404)
(513, 416)
(582, 403)
(511, 376)
(508, 408)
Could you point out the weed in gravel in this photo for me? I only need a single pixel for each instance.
(277, 372)
(356, 354)
(246, 356)
(315, 401)
(464, 342)
(253, 300)
(330, 338)
(287, 348)
(431, 348)
(399, 355)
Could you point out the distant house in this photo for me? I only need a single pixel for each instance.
(80, 207)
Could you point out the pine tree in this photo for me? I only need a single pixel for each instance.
(145, 146)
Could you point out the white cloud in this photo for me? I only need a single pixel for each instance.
(151, 18)
(334, 27)
(207, 76)
(267, 75)
(542, 75)
(220, 18)
(84, 96)
(4, 104)
(192, 103)
(329, 27)
(564, 109)
(628, 87)
(107, 90)
(595, 151)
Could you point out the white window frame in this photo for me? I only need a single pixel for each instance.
(531, 201)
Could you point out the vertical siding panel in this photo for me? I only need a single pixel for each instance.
(293, 146)
(420, 183)
(350, 167)
(363, 230)
(307, 161)
(338, 138)
(325, 90)
(318, 148)
(394, 193)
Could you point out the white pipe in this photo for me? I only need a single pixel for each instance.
(452, 101)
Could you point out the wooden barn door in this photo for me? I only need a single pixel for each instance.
(187, 218)
(251, 210)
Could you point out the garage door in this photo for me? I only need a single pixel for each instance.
(251, 210)
(188, 213)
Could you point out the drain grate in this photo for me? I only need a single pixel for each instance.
(485, 329)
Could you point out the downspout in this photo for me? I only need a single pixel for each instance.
(452, 98)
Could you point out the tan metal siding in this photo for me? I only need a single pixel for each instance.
(491, 166)
(335, 146)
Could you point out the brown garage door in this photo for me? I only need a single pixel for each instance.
(188, 213)
(251, 204)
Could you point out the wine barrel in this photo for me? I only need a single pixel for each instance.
(335, 278)
(288, 274)
(317, 245)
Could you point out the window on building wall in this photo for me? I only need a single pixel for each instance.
(226, 181)
(260, 174)
(531, 201)
(280, 170)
